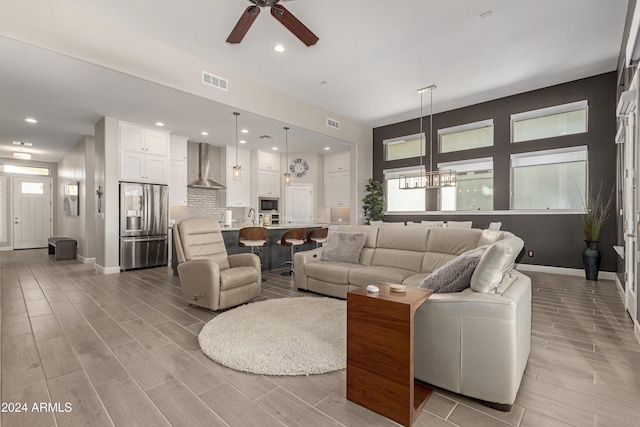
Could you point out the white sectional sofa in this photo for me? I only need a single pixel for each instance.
(475, 342)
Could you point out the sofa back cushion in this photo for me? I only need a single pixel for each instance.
(369, 245)
(401, 247)
(495, 264)
(444, 244)
(201, 238)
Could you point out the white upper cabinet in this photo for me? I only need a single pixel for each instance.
(268, 161)
(178, 171)
(244, 158)
(337, 162)
(238, 193)
(268, 183)
(144, 154)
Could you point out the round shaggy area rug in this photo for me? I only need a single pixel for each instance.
(288, 336)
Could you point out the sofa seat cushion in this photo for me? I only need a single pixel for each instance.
(330, 271)
(367, 275)
(237, 276)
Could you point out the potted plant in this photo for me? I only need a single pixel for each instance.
(597, 214)
(374, 201)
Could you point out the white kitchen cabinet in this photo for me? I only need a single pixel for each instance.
(337, 162)
(268, 161)
(178, 148)
(244, 158)
(238, 192)
(141, 167)
(178, 171)
(144, 154)
(268, 183)
(337, 189)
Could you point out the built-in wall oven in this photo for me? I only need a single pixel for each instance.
(268, 208)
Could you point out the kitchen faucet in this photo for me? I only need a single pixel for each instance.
(252, 215)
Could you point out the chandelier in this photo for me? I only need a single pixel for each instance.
(430, 179)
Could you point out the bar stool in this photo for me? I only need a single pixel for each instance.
(317, 236)
(253, 237)
(292, 238)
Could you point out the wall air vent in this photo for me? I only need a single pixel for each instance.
(215, 81)
(333, 123)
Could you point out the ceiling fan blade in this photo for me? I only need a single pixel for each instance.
(243, 25)
(294, 25)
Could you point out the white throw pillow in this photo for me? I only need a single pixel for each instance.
(434, 224)
(496, 262)
(459, 224)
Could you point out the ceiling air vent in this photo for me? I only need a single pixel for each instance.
(215, 81)
(333, 123)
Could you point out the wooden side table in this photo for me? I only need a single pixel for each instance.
(380, 352)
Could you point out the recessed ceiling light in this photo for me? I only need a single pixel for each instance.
(30, 120)
(274, 148)
(327, 148)
(242, 141)
(160, 124)
(204, 133)
(244, 131)
(22, 156)
(279, 48)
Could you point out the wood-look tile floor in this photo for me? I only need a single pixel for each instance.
(122, 350)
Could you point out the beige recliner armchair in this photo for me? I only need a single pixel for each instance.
(209, 277)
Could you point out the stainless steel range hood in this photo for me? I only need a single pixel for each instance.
(203, 180)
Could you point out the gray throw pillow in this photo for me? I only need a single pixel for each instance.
(455, 275)
(343, 246)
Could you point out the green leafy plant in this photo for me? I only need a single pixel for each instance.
(597, 214)
(374, 201)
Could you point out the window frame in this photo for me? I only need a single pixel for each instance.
(469, 165)
(547, 112)
(403, 171)
(405, 138)
(576, 151)
(465, 128)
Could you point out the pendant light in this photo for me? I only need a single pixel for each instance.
(430, 179)
(237, 169)
(287, 175)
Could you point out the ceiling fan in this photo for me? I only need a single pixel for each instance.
(277, 11)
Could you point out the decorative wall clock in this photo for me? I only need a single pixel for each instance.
(299, 167)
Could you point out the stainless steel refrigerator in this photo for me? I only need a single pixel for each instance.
(143, 225)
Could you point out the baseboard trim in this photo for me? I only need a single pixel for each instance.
(84, 260)
(6, 248)
(636, 330)
(621, 291)
(106, 270)
(606, 275)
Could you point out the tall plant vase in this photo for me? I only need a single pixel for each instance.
(591, 259)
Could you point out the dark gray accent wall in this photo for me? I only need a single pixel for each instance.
(556, 239)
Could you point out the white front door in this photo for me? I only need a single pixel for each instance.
(31, 212)
(299, 204)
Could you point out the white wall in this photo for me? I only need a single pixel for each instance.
(77, 166)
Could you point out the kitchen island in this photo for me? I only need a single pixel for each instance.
(272, 255)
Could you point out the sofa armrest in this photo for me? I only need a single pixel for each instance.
(301, 259)
(244, 260)
(196, 275)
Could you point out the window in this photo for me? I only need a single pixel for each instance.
(549, 179)
(474, 188)
(25, 170)
(403, 200)
(3, 209)
(32, 188)
(466, 137)
(404, 147)
(549, 122)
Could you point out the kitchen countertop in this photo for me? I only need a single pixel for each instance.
(273, 227)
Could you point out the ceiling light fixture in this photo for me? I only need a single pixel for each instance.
(22, 156)
(274, 148)
(431, 179)
(244, 131)
(159, 124)
(279, 48)
(327, 148)
(242, 141)
(287, 175)
(237, 169)
(22, 143)
(204, 133)
(30, 120)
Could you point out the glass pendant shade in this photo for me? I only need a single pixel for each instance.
(237, 169)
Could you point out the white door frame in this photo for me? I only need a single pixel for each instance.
(14, 198)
